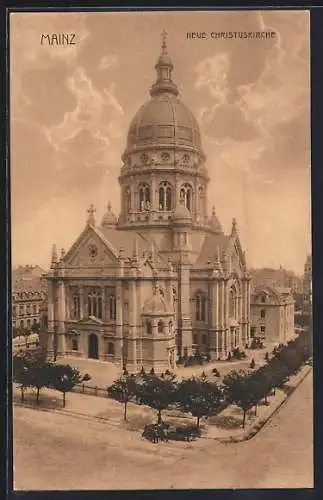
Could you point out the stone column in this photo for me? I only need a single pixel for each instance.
(185, 308)
(61, 318)
(81, 292)
(100, 335)
(132, 342)
(68, 302)
(119, 323)
(51, 319)
(154, 194)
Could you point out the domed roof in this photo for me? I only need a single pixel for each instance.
(214, 222)
(156, 306)
(181, 213)
(109, 219)
(164, 118)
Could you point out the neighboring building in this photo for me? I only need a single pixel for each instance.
(162, 279)
(272, 314)
(277, 277)
(28, 298)
(307, 287)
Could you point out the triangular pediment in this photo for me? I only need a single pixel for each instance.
(91, 249)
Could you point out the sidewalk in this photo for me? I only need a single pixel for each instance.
(224, 427)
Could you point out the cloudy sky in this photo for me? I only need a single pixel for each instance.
(71, 107)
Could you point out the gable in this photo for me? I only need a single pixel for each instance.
(90, 250)
(236, 254)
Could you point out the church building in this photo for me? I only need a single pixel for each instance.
(162, 279)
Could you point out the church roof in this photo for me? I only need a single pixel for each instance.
(128, 240)
(209, 248)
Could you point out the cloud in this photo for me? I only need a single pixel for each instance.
(229, 121)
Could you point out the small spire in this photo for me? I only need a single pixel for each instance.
(91, 211)
(62, 253)
(54, 255)
(164, 41)
(234, 227)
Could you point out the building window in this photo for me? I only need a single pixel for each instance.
(170, 327)
(34, 308)
(195, 339)
(28, 324)
(262, 313)
(263, 299)
(200, 307)
(95, 304)
(14, 310)
(252, 331)
(204, 339)
(186, 195)
(263, 330)
(112, 307)
(28, 309)
(232, 304)
(127, 200)
(160, 327)
(149, 328)
(76, 307)
(35, 321)
(74, 345)
(21, 310)
(165, 196)
(110, 348)
(22, 323)
(144, 197)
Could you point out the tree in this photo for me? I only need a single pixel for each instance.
(40, 374)
(199, 397)
(21, 373)
(156, 392)
(123, 390)
(65, 377)
(239, 391)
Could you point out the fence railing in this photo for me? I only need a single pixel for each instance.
(91, 390)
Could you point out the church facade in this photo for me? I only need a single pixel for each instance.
(162, 279)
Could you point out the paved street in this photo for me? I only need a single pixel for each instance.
(53, 451)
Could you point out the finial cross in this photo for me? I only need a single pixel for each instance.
(164, 35)
(91, 211)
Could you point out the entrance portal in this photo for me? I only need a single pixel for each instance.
(93, 346)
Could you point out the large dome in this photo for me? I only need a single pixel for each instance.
(164, 118)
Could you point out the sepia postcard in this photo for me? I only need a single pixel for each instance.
(161, 250)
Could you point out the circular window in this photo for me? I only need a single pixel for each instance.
(144, 158)
(165, 156)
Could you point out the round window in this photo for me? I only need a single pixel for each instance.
(165, 157)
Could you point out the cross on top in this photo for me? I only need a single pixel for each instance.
(91, 211)
(164, 39)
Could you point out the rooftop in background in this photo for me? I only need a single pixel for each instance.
(276, 277)
(28, 278)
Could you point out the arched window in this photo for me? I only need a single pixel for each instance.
(186, 195)
(170, 326)
(28, 324)
(76, 306)
(201, 199)
(231, 304)
(75, 345)
(160, 327)
(149, 328)
(144, 197)
(112, 307)
(34, 308)
(110, 348)
(200, 304)
(263, 299)
(127, 200)
(165, 196)
(95, 303)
